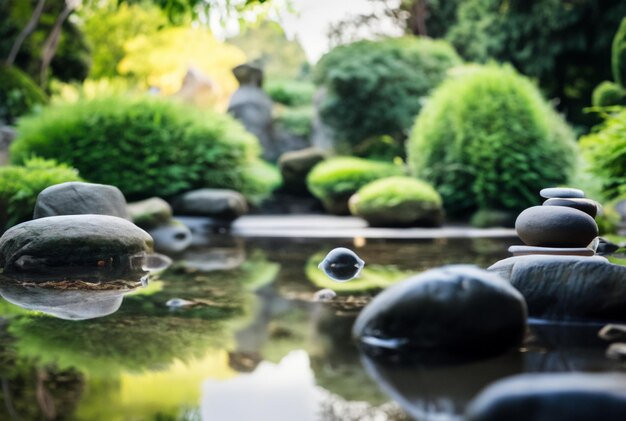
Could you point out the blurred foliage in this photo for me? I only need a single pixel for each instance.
(267, 44)
(296, 120)
(378, 87)
(144, 146)
(91, 89)
(290, 92)
(397, 201)
(372, 277)
(20, 186)
(608, 94)
(605, 149)
(161, 60)
(108, 27)
(487, 140)
(71, 61)
(618, 55)
(18, 94)
(564, 44)
(334, 180)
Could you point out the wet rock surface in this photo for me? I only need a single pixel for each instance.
(59, 242)
(572, 397)
(77, 198)
(555, 226)
(449, 311)
(214, 203)
(567, 287)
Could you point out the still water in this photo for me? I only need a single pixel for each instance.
(232, 332)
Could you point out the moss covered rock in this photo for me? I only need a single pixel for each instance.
(398, 201)
(335, 180)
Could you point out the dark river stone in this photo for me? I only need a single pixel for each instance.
(571, 397)
(555, 226)
(96, 241)
(585, 205)
(77, 198)
(450, 311)
(568, 287)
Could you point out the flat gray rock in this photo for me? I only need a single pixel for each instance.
(93, 241)
(213, 203)
(571, 397)
(561, 192)
(553, 251)
(451, 311)
(77, 198)
(568, 287)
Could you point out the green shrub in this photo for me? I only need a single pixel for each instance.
(20, 186)
(290, 92)
(487, 140)
(378, 87)
(296, 120)
(605, 149)
(144, 146)
(398, 201)
(334, 180)
(618, 55)
(18, 94)
(608, 94)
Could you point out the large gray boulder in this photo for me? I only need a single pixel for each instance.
(150, 213)
(567, 287)
(77, 198)
(551, 397)
(452, 311)
(77, 241)
(213, 203)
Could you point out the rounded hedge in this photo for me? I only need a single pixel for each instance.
(378, 87)
(608, 94)
(20, 186)
(605, 149)
(145, 146)
(18, 94)
(398, 201)
(487, 140)
(334, 180)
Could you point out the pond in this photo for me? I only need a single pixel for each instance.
(232, 331)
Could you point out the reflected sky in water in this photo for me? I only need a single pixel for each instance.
(254, 324)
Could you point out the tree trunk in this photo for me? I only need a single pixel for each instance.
(52, 42)
(28, 29)
(417, 21)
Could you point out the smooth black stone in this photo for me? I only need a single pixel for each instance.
(341, 264)
(57, 242)
(571, 397)
(555, 226)
(586, 205)
(568, 287)
(446, 312)
(76, 198)
(561, 192)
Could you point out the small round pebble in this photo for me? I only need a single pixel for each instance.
(324, 295)
(561, 192)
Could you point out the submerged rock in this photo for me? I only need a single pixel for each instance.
(212, 203)
(452, 311)
(567, 287)
(76, 241)
(150, 213)
(172, 237)
(77, 198)
(571, 397)
(555, 226)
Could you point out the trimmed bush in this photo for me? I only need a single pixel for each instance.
(144, 146)
(618, 55)
(378, 87)
(18, 94)
(605, 150)
(608, 94)
(296, 120)
(488, 140)
(292, 93)
(20, 186)
(398, 201)
(334, 180)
